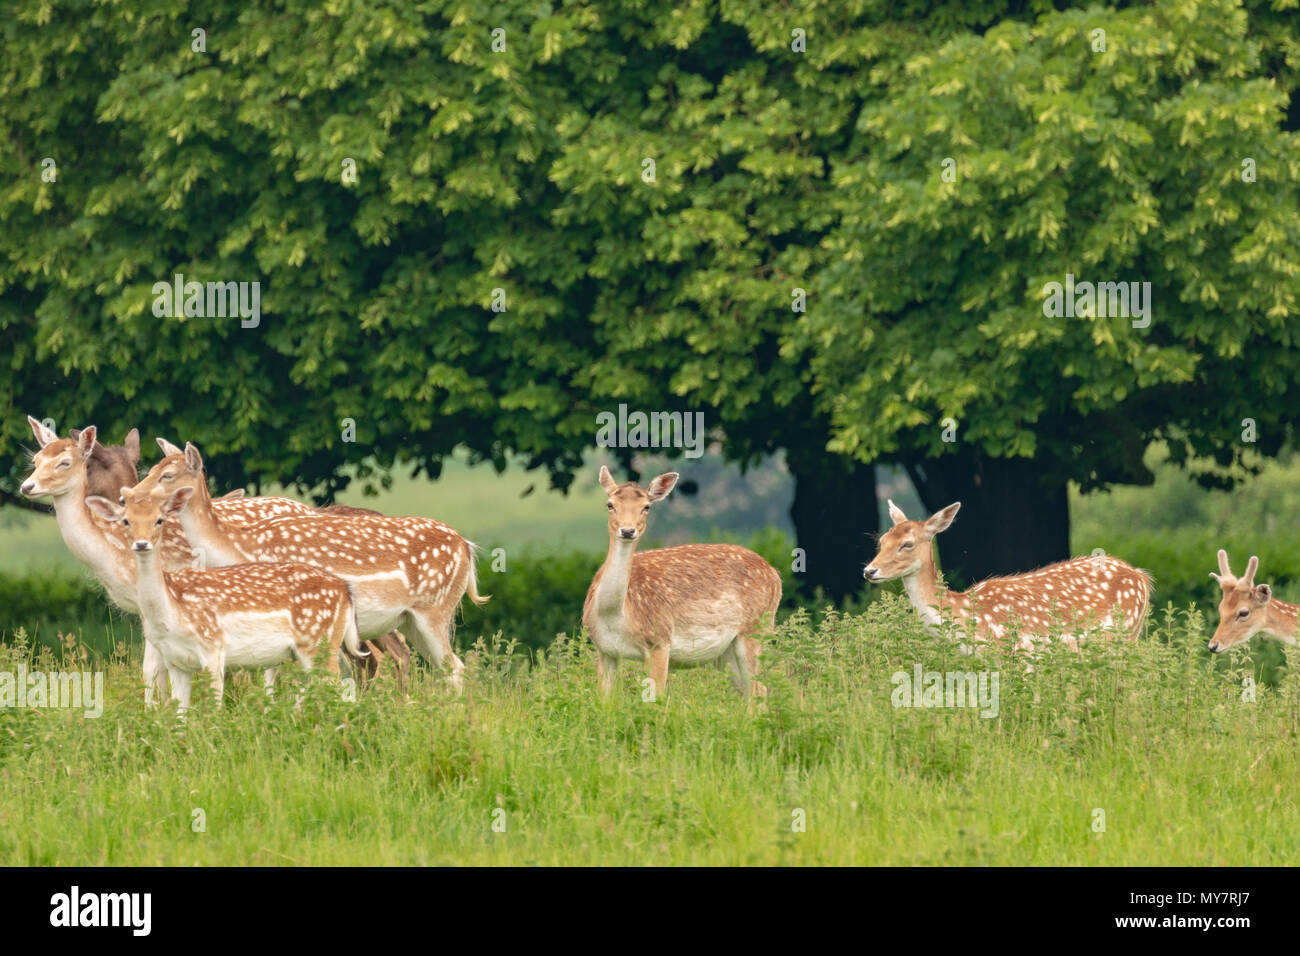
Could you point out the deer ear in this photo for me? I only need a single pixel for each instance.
(132, 445)
(1262, 594)
(193, 458)
(43, 435)
(232, 493)
(168, 449)
(660, 487)
(86, 441)
(941, 520)
(177, 502)
(896, 513)
(103, 507)
(607, 480)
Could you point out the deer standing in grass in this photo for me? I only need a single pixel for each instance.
(408, 573)
(244, 616)
(1247, 609)
(691, 604)
(380, 649)
(1068, 598)
(67, 469)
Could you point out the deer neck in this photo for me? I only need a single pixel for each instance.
(157, 609)
(93, 546)
(611, 593)
(204, 532)
(1281, 621)
(925, 592)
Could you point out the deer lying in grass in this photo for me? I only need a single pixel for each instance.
(1247, 609)
(383, 650)
(244, 616)
(405, 572)
(1069, 598)
(691, 604)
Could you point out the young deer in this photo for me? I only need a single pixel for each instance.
(1248, 609)
(1070, 597)
(405, 572)
(65, 469)
(245, 616)
(692, 604)
(381, 649)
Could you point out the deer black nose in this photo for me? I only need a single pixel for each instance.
(1214, 646)
(141, 546)
(870, 573)
(27, 486)
(627, 532)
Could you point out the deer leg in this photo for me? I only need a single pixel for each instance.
(751, 651)
(431, 635)
(181, 686)
(268, 681)
(737, 666)
(155, 675)
(606, 672)
(657, 664)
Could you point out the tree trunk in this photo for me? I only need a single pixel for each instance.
(835, 520)
(1015, 514)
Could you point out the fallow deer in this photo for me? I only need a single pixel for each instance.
(64, 469)
(1068, 598)
(111, 467)
(685, 605)
(1247, 609)
(405, 572)
(380, 649)
(243, 616)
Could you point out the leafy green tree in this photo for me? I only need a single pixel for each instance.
(499, 153)
(1162, 159)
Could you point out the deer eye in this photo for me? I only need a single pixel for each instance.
(645, 510)
(609, 505)
(63, 464)
(126, 523)
(1243, 614)
(168, 477)
(906, 545)
(158, 522)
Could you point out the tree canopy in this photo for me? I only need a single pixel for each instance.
(560, 207)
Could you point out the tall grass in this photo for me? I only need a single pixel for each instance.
(1157, 736)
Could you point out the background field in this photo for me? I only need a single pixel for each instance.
(1157, 735)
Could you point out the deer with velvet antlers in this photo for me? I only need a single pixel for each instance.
(1069, 599)
(1247, 609)
(409, 573)
(685, 605)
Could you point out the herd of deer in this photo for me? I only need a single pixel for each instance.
(238, 583)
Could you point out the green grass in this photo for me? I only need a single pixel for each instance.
(1155, 734)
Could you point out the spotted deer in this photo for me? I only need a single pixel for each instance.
(409, 573)
(686, 605)
(1247, 609)
(382, 651)
(1069, 598)
(242, 616)
(67, 469)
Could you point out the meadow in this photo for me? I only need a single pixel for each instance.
(1150, 753)
(1124, 754)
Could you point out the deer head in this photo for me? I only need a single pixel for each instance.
(629, 505)
(59, 468)
(1243, 607)
(905, 548)
(143, 513)
(180, 469)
